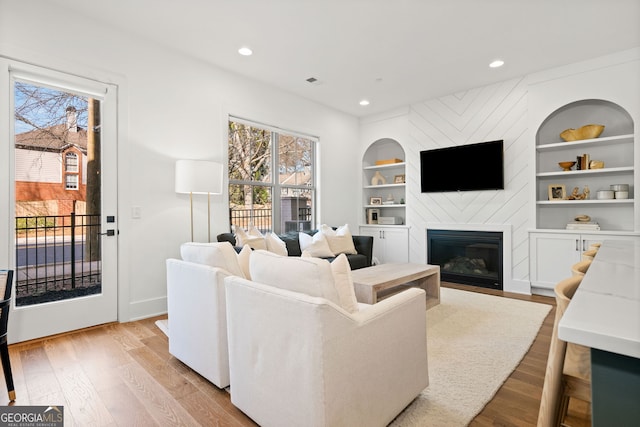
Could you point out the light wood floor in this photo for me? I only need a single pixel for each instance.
(123, 374)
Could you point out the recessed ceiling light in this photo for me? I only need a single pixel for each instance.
(497, 63)
(364, 102)
(245, 51)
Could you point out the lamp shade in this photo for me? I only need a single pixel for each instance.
(198, 177)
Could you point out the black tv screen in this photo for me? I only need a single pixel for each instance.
(468, 167)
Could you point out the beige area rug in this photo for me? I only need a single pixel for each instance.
(474, 342)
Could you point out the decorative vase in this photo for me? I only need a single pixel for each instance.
(378, 179)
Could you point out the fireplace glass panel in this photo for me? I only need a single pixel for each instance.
(467, 257)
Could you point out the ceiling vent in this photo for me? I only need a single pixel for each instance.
(314, 81)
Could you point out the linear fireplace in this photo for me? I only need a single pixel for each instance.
(467, 257)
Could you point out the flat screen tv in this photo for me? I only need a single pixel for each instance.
(470, 167)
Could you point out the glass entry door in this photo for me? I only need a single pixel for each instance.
(62, 153)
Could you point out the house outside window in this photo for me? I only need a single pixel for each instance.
(271, 178)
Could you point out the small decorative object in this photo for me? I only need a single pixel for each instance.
(378, 179)
(584, 132)
(388, 161)
(620, 191)
(576, 195)
(390, 200)
(402, 201)
(566, 166)
(372, 216)
(583, 162)
(582, 218)
(375, 200)
(596, 164)
(605, 194)
(619, 187)
(557, 192)
(398, 179)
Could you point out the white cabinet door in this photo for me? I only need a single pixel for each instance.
(390, 244)
(551, 255)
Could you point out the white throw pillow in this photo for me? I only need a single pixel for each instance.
(217, 254)
(344, 283)
(315, 246)
(244, 257)
(252, 237)
(275, 244)
(310, 276)
(340, 240)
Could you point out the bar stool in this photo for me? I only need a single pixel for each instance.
(580, 268)
(568, 373)
(589, 254)
(6, 283)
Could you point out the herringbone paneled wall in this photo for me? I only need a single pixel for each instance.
(484, 114)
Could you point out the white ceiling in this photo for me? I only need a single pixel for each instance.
(391, 52)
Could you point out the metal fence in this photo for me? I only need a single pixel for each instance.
(261, 219)
(57, 257)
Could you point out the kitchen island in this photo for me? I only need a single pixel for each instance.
(604, 314)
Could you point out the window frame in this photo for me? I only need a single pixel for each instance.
(274, 185)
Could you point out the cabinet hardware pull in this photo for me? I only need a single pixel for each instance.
(577, 247)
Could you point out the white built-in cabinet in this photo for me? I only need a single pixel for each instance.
(391, 242)
(552, 253)
(553, 249)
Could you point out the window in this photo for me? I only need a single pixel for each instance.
(267, 164)
(71, 162)
(71, 182)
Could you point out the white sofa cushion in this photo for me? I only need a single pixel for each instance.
(256, 240)
(243, 259)
(310, 276)
(344, 283)
(217, 254)
(314, 246)
(340, 240)
(275, 244)
(252, 237)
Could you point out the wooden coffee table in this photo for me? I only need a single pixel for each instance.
(379, 281)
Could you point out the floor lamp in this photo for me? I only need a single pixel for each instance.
(199, 177)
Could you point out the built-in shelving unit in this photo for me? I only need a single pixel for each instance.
(553, 248)
(390, 241)
(615, 147)
(384, 149)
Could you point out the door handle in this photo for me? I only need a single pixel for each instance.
(109, 233)
(577, 245)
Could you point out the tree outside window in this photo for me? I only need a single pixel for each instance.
(264, 163)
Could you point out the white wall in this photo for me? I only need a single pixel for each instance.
(173, 107)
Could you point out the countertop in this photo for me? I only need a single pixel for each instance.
(604, 313)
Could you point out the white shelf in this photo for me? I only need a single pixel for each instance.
(384, 186)
(396, 205)
(602, 171)
(617, 139)
(387, 166)
(585, 202)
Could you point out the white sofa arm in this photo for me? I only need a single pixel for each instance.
(197, 318)
(301, 360)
